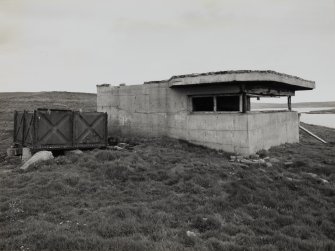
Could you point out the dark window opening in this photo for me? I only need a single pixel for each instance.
(227, 103)
(203, 104)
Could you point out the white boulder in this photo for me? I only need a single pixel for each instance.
(37, 157)
(191, 234)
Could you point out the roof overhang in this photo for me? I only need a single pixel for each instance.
(237, 77)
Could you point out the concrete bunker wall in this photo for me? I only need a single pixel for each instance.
(134, 110)
(153, 110)
(226, 131)
(271, 129)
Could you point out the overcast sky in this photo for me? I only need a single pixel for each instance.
(72, 45)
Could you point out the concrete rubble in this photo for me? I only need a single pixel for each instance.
(191, 234)
(245, 162)
(255, 159)
(316, 177)
(76, 152)
(13, 151)
(120, 147)
(274, 160)
(288, 163)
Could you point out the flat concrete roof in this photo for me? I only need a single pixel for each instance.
(244, 76)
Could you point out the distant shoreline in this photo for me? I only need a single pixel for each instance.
(329, 111)
(320, 105)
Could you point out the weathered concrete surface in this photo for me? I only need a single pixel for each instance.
(157, 110)
(26, 154)
(140, 110)
(237, 132)
(245, 76)
(272, 128)
(13, 151)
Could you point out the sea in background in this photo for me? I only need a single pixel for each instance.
(322, 119)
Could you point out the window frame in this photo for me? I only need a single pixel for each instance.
(214, 96)
(203, 96)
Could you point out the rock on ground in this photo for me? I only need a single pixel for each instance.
(37, 157)
(77, 152)
(191, 234)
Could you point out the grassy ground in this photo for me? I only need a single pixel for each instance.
(148, 197)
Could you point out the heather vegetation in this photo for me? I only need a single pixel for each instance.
(164, 194)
